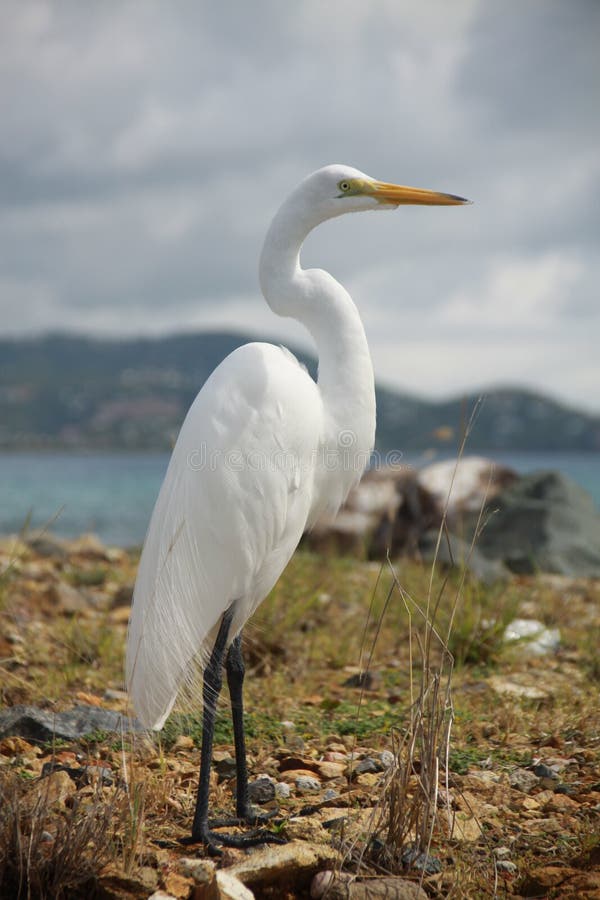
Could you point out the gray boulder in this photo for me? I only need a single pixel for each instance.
(36, 724)
(544, 522)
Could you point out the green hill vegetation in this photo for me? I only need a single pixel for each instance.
(63, 391)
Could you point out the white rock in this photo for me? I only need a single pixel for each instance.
(231, 888)
(538, 639)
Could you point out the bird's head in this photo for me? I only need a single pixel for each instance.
(335, 190)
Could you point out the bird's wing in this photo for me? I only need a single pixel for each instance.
(229, 515)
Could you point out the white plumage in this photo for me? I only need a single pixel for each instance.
(230, 513)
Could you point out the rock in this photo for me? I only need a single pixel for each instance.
(288, 866)
(262, 790)
(544, 522)
(307, 785)
(388, 510)
(513, 687)
(339, 886)
(39, 725)
(523, 780)
(55, 788)
(282, 790)
(329, 770)
(161, 895)
(48, 546)
(225, 768)
(306, 828)
(123, 596)
(114, 884)
(181, 886)
(505, 865)
(453, 552)
(387, 759)
(413, 858)
(231, 888)
(537, 639)
(367, 681)
(69, 599)
(367, 765)
(464, 485)
(89, 546)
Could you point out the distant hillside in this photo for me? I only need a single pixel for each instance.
(62, 391)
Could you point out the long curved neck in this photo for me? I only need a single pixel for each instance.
(325, 308)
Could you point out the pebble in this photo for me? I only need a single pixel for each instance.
(387, 759)
(505, 865)
(330, 794)
(501, 852)
(262, 790)
(282, 790)
(367, 765)
(543, 771)
(307, 785)
(413, 858)
(523, 780)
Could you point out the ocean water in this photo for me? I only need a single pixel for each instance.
(112, 494)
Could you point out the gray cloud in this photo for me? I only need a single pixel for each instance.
(145, 147)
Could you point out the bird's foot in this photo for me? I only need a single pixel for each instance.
(213, 841)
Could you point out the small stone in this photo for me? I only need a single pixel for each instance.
(68, 598)
(123, 596)
(543, 771)
(225, 768)
(369, 779)
(54, 789)
(330, 794)
(501, 852)
(523, 780)
(306, 828)
(505, 865)
(262, 790)
(231, 888)
(335, 756)
(332, 769)
(184, 742)
(413, 858)
(563, 788)
(387, 759)
(368, 681)
(115, 694)
(366, 765)
(282, 790)
(306, 784)
(201, 870)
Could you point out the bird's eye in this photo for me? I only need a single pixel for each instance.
(344, 186)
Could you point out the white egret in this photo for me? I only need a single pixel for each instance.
(262, 453)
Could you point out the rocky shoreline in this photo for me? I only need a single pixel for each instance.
(106, 806)
(495, 522)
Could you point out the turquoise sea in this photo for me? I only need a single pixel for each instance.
(112, 494)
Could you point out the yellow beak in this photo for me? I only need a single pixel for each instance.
(395, 194)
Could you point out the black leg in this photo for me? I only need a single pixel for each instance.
(213, 680)
(235, 680)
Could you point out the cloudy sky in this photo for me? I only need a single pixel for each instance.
(145, 146)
